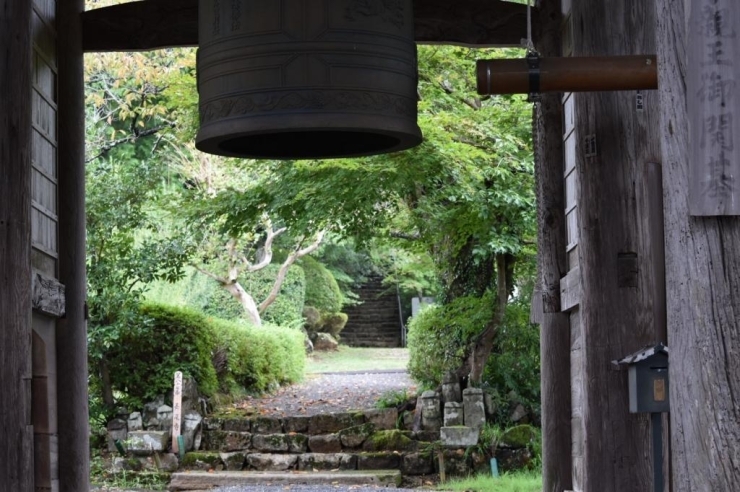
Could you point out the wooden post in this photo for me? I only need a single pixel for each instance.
(713, 85)
(702, 271)
(176, 412)
(16, 433)
(74, 465)
(555, 326)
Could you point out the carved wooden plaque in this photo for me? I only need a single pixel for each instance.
(714, 107)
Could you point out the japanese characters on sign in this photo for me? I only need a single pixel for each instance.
(713, 104)
(176, 410)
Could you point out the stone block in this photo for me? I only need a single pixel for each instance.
(338, 461)
(378, 461)
(325, 342)
(237, 425)
(202, 461)
(233, 461)
(390, 440)
(490, 404)
(190, 396)
(168, 462)
(383, 419)
(226, 441)
(297, 443)
(297, 424)
(408, 420)
(150, 412)
(135, 422)
(333, 422)
(117, 431)
(417, 464)
(144, 443)
(355, 436)
(451, 391)
(271, 443)
(426, 436)
(453, 414)
(272, 462)
(510, 460)
(475, 410)
(327, 443)
(459, 437)
(212, 424)
(267, 425)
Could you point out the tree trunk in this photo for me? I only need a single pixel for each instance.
(703, 272)
(106, 387)
(555, 327)
(246, 301)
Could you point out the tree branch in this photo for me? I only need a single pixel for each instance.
(129, 139)
(215, 277)
(267, 258)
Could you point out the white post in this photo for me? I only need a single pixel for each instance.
(176, 411)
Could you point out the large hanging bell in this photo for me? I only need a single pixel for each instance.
(305, 79)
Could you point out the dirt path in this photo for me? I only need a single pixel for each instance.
(331, 392)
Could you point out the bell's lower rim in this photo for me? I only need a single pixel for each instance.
(308, 143)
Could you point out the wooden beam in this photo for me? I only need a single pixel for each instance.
(16, 433)
(570, 290)
(156, 24)
(74, 460)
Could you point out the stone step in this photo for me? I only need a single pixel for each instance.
(206, 480)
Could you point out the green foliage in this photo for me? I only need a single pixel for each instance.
(509, 482)
(393, 399)
(258, 358)
(287, 309)
(165, 339)
(439, 334)
(515, 364)
(102, 473)
(322, 290)
(334, 323)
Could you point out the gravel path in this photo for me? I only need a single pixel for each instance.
(330, 392)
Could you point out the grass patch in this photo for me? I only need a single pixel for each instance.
(511, 482)
(357, 359)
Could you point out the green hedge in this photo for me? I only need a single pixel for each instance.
(165, 340)
(258, 357)
(227, 356)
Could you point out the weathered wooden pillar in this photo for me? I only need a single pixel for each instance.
(74, 466)
(702, 264)
(555, 325)
(615, 138)
(16, 433)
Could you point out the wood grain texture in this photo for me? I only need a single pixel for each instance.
(703, 278)
(554, 325)
(570, 290)
(16, 435)
(48, 295)
(615, 316)
(154, 24)
(714, 107)
(74, 462)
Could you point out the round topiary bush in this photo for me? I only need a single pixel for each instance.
(334, 323)
(322, 290)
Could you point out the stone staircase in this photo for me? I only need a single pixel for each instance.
(376, 322)
(349, 448)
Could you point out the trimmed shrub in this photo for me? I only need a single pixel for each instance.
(287, 309)
(166, 339)
(438, 336)
(258, 357)
(322, 290)
(313, 318)
(334, 323)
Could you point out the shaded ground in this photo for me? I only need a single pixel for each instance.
(331, 392)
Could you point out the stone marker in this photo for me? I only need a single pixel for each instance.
(135, 422)
(431, 412)
(453, 414)
(117, 430)
(191, 430)
(475, 410)
(451, 391)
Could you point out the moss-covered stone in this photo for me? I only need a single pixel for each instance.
(297, 443)
(271, 443)
(378, 461)
(355, 436)
(390, 440)
(334, 422)
(518, 437)
(199, 460)
(226, 441)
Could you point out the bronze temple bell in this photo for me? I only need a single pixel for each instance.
(307, 79)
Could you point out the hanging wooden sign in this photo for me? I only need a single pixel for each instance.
(176, 411)
(714, 107)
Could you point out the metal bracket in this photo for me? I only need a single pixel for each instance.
(533, 62)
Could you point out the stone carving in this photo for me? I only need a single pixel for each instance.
(391, 11)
